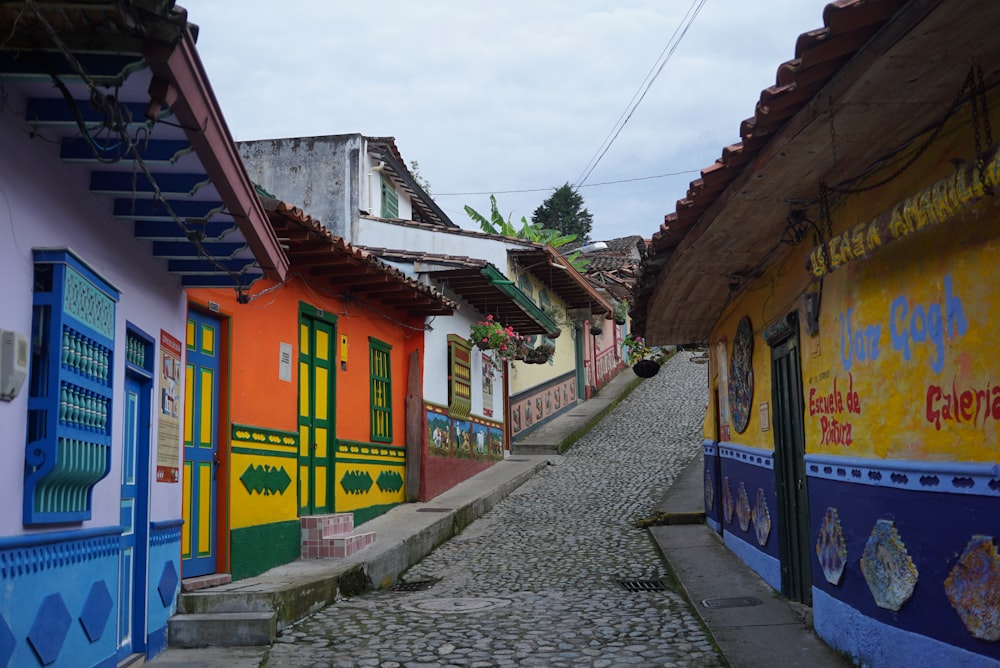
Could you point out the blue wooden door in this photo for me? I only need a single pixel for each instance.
(201, 409)
(134, 517)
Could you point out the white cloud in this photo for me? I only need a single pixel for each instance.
(506, 96)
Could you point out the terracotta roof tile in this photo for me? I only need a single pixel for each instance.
(319, 255)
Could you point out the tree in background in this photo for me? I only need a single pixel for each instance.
(564, 211)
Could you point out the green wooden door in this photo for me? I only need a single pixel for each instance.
(316, 411)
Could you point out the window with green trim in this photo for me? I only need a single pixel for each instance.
(459, 377)
(380, 373)
(390, 200)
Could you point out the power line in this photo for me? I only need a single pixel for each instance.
(586, 185)
(644, 87)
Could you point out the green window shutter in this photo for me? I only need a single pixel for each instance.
(459, 377)
(381, 390)
(390, 200)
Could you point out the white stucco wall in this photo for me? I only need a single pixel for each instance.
(43, 203)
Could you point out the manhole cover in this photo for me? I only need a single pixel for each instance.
(416, 585)
(737, 602)
(434, 510)
(459, 605)
(642, 585)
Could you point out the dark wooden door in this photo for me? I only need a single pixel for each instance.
(790, 469)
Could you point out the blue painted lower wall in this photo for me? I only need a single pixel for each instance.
(59, 600)
(871, 643)
(164, 582)
(929, 531)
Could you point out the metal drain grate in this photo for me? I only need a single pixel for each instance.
(642, 585)
(416, 585)
(511, 459)
(434, 510)
(737, 602)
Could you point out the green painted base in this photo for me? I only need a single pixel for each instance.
(362, 515)
(257, 549)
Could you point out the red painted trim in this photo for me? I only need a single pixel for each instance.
(180, 79)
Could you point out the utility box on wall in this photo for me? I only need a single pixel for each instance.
(13, 363)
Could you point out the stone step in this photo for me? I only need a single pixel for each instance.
(229, 629)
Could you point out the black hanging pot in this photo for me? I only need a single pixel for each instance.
(646, 368)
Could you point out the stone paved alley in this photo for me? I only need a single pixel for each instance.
(534, 582)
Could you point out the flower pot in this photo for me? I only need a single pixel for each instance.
(646, 368)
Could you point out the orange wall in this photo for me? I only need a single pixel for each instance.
(259, 398)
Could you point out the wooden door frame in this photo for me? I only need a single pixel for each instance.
(308, 311)
(791, 485)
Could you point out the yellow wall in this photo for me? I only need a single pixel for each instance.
(905, 362)
(526, 376)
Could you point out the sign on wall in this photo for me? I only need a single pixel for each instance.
(168, 414)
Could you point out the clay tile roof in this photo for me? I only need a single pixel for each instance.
(819, 56)
(321, 257)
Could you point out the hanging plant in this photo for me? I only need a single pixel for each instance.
(499, 342)
(490, 335)
(540, 354)
(646, 368)
(645, 361)
(635, 349)
(597, 326)
(621, 312)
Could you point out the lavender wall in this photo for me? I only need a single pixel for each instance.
(44, 203)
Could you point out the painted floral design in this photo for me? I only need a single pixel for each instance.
(727, 501)
(973, 587)
(831, 550)
(741, 375)
(887, 567)
(743, 507)
(761, 518)
(709, 491)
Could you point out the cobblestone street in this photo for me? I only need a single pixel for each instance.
(534, 582)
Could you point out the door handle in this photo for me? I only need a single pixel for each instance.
(215, 465)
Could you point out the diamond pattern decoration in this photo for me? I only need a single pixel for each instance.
(7, 643)
(727, 501)
(96, 610)
(743, 506)
(887, 567)
(761, 518)
(831, 549)
(167, 586)
(356, 482)
(49, 629)
(389, 481)
(973, 587)
(265, 479)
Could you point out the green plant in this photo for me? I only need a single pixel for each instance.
(496, 224)
(621, 311)
(490, 335)
(635, 349)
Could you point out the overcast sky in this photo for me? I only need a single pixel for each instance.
(507, 96)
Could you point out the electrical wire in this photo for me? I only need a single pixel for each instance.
(637, 98)
(586, 185)
(118, 118)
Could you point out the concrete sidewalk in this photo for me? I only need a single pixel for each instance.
(765, 635)
(774, 632)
